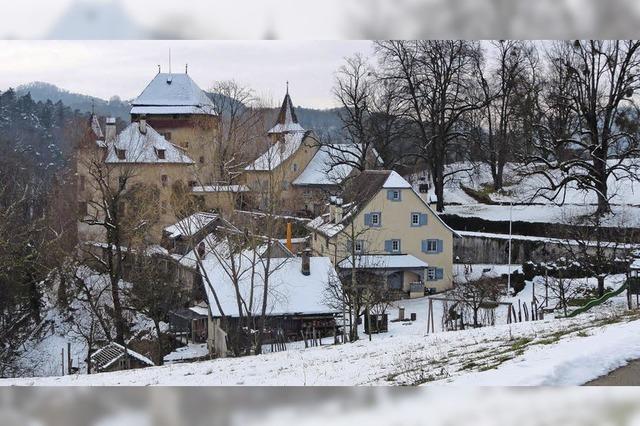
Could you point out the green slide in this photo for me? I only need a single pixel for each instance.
(590, 304)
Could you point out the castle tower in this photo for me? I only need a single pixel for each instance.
(175, 106)
(287, 122)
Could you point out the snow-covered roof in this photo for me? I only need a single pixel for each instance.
(635, 264)
(190, 225)
(109, 354)
(395, 181)
(173, 94)
(331, 165)
(384, 261)
(144, 147)
(287, 121)
(278, 152)
(220, 188)
(290, 292)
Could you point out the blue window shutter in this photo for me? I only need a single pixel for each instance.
(399, 246)
(424, 246)
(439, 273)
(389, 194)
(387, 246)
(367, 219)
(399, 195)
(440, 246)
(379, 219)
(423, 218)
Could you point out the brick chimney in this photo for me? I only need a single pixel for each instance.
(110, 130)
(306, 261)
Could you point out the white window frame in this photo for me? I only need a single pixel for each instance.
(395, 195)
(415, 216)
(358, 246)
(431, 274)
(375, 219)
(433, 249)
(395, 246)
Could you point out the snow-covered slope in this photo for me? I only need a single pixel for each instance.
(407, 355)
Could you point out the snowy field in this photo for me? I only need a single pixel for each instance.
(551, 351)
(624, 193)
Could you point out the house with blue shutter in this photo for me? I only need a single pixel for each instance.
(381, 224)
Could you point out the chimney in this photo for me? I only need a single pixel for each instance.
(110, 130)
(289, 233)
(306, 261)
(332, 209)
(338, 211)
(143, 126)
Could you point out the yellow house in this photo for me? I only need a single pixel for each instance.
(384, 226)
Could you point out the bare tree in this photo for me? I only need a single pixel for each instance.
(483, 293)
(125, 211)
(504, 91)
(603, 77)
(240, 130)
(154, 292)
(598, 249)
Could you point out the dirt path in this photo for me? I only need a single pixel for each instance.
(629, 375)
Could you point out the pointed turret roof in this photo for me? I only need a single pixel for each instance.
(95, 127)
(287, 121)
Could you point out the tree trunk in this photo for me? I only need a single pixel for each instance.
(600, 286)
(159, 348)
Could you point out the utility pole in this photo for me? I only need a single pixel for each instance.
(510, 229)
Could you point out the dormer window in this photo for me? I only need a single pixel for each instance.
(161, 153)
(121, 154)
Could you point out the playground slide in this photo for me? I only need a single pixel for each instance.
(590, 304)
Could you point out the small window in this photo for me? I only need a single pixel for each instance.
(432, 246)
(357, 247)
(201, 159)
(375, 219)
(165, 180)
(295, 167)
(161, 154)
(415, 219)
(395, 246)
(395, 195)
(186, 144)
(121, 154)
(431, 274)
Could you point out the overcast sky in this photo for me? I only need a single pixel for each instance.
(123, 68)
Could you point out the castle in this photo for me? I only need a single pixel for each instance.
(168, 146)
